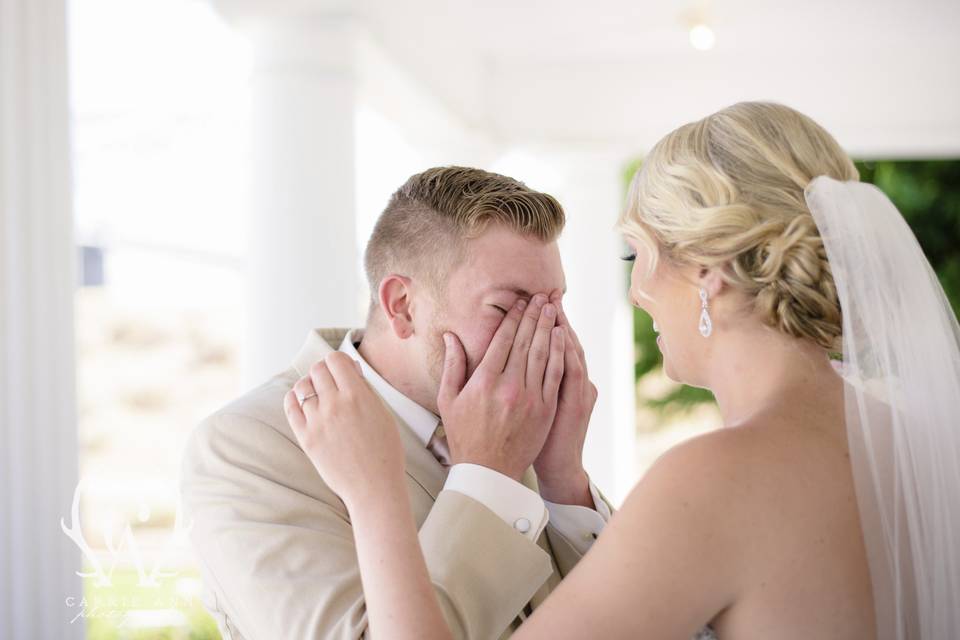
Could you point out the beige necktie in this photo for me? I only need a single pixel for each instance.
(438, 446)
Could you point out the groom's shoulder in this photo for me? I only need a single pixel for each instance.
(245, 451)
(251, 425)
(263, 403)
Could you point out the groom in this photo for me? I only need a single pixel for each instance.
(454, 249)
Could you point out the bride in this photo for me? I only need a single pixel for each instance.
(829, 504)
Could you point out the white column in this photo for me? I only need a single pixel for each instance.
(589, 187)
(302, 261)
(38, 427)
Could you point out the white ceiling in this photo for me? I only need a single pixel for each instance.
(883, 76)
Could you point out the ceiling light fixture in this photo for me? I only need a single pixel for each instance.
(702, 37)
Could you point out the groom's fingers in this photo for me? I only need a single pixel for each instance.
(572, 336)
(517, 362)
(540, 347)
(454, 371)
(572, 368)
(557, 298)
(553, 376)
(499, 350)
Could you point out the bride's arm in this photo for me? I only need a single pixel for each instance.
(401, 600)
(352, 439)
(667, 562)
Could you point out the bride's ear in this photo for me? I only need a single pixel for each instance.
(711, 279)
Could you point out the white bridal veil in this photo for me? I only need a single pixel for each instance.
(901, 362)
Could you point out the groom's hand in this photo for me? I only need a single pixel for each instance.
(559, 466)
(501, 417)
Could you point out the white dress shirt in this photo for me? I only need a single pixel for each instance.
(515, 504)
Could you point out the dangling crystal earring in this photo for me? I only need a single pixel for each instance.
(706, 324)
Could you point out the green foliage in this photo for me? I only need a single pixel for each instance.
(927, 192)
(107, 610)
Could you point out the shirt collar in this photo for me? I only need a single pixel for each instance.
(422, 421)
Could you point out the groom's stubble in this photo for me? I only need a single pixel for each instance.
(436, 350)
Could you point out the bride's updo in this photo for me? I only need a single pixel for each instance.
(728, 191)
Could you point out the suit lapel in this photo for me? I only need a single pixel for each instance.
(425, 470)
(318, 345)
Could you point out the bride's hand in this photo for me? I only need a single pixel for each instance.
(346, 430)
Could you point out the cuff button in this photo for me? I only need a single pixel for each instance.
(522, 525)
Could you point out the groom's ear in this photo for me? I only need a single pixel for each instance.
(395, 298)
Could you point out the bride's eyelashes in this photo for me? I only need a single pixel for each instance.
(499, 308)
(630, 257)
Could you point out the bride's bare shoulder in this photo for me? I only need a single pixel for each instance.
(723, 455)
(720, 475)
(728, 476)
(683, 523)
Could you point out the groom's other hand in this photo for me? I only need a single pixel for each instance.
(559, 465)
(501, 417)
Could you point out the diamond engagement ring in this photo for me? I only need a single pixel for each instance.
(305, 398)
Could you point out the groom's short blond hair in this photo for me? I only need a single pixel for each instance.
(423, 230)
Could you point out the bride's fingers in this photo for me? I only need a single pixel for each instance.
(320, 379)
(305, 394)
(344, 371)
(304, 387)
(291, 407)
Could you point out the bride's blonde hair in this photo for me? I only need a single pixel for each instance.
(728, 191)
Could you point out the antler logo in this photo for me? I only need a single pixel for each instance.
(125, 547)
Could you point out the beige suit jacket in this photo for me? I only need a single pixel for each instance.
(275, 544)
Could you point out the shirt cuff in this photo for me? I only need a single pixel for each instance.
(580, 525)
(520, 507)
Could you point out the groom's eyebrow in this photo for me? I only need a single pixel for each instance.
(520, 291)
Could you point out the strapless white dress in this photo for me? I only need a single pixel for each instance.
(705, 634)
